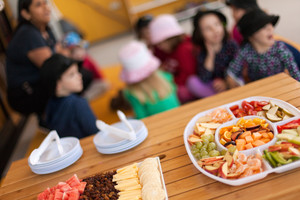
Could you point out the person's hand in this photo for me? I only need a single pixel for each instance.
(231, 82)
(219, 85)
(210, 58)
(210, 50)
(62, 50)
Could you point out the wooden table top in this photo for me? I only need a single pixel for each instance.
(183, 180)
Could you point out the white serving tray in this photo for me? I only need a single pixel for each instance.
(266, 166)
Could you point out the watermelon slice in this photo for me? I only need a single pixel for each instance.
(58, 194)
(73, 181)
(65, 196)
(69, 190)
(44, 195)
(51, 197)
(64, 186)
(80, 187)
(73, 194)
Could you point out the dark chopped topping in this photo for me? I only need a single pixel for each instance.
(100, 187)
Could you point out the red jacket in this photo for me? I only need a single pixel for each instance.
(181, 62)
(91, 65)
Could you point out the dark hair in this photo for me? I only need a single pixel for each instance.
(243, 4)
(23, 5)
(52, 70)
(197, 37)
(141, 23)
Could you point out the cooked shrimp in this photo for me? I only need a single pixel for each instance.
(258, 156)
(254, 163)
(242, 158)
(240, 169)
(257, 171)
(247, 172)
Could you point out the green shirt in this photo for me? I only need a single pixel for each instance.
(160, 105)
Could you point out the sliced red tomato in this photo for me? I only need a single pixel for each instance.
(232, 108)
(262, 103)
(254, 103)
(258, 108)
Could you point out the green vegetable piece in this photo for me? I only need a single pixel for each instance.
(270, 159)
(279, 158)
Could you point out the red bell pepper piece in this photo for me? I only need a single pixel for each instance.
(291, 125)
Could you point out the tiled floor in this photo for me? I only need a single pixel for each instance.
(105, 52)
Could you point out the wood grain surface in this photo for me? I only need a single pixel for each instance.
(183, 180)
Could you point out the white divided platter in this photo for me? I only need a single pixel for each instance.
(189, 129)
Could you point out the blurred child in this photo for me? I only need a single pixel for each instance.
(263, 55)
(95, 83)
(239, 8)
(141, 29)
(67, 113)
(216, 52)
(179, 59)
(148, 90)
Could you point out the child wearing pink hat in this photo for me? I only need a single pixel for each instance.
(177, 56)
(148, 89)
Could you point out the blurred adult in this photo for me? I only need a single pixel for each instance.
(33, 42)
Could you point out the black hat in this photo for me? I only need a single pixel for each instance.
(52, 70)
(244, 4)
(254, 20)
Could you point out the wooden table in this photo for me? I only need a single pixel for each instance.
(182, 179)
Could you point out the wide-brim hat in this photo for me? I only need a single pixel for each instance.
(244, 4)
(254, 20)
(202, 13)
(164, 27)
(137, 61)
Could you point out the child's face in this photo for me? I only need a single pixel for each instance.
(237, 13)
(145, 35)
(264, 36)
(212, 29)
(165, 46)
(70, 81)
